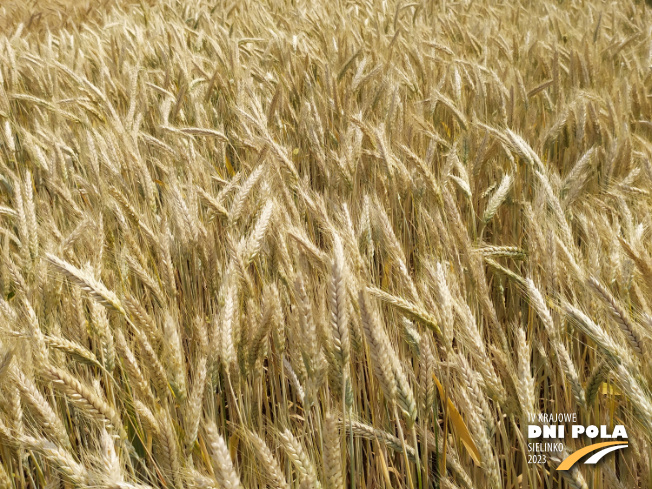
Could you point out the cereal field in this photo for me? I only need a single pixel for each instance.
(326, 244)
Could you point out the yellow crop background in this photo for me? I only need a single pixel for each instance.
(322, 244)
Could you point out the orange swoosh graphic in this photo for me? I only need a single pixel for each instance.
(571, 459)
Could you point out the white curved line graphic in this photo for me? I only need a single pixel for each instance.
(595, 458)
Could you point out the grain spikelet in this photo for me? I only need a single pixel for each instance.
(339, 306)
(271, 465)
(332, 454)
(82, 396)
(303, 465)
(225, 473)
(620, 315)
(174, 352)
(497, 198)
(525, 381)
(378, 348)
(408, 308)
(64, 462)
(96, 289)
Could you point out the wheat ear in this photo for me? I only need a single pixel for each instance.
(225, 473)
(620, 315)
